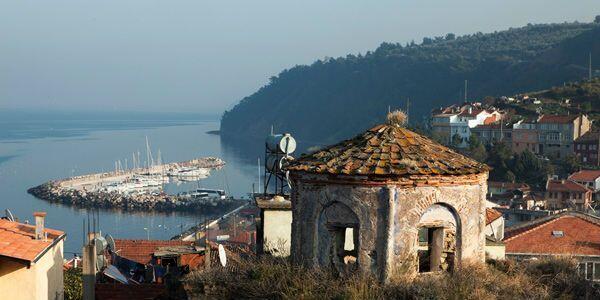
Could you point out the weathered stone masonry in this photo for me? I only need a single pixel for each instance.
(359, 206)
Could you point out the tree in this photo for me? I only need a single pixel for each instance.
(477, 149)
(450, 36)
(531, 170)
(499, 157)
(597, 19)
(456, 140)
(570, 164)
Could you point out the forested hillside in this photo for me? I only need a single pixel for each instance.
(336, 98)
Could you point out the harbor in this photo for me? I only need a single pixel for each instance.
(141, 189)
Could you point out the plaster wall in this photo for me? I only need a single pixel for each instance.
(43, 280)
(277, 232)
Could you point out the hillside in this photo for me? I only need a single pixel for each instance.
(334, 99)
(581, 97)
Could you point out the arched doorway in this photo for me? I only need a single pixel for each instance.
(338, 238)
(438, 239)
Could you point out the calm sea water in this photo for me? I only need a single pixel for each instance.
(38, 150)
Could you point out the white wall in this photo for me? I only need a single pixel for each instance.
(277, 232)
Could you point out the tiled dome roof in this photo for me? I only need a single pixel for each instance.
(388, 150)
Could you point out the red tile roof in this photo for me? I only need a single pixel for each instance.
(117, 291)
(565, 186)
(141, 251)
(388, 150)
(585, 175)
(580, 236)
(17, 240)
(491, 215)
(561, 119)
(508, 185)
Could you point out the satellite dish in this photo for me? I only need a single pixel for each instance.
(9, 215)
(101, 244)
(222, 255)
(100, 262)
(111, 242)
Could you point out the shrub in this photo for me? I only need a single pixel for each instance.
(276, 278)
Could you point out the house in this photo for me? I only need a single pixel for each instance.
(456, 121)
(570, 234)
(512, 195)
(525, 137)
(31, 260)
(587, 148)
(274, 228)
(557, 133)
(365, 204)
(589, 178)
(562, 194)
(494, 224)
(493, 133)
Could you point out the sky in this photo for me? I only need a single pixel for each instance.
(205, 56)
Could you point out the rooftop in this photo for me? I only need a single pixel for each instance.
(388, 150)
(565, 186)
(17, 241)
(142, 251)
(590, 136)
(585, 175)
(508, 185)
(561, 119)
(570, 233)
(491, 215)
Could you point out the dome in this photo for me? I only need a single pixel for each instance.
(387, 150)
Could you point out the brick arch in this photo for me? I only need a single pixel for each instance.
(455, 208)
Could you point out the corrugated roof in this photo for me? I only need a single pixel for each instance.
(566, 233)
(388, 150)
(17, 240)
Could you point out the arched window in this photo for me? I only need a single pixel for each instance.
(439, 230)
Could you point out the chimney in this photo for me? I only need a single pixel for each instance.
(39, 224)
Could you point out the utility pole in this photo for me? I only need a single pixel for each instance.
(465, 90)
(590, 68)
(407, 110)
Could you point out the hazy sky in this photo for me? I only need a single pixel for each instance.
(205, 56)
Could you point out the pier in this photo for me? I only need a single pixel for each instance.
(137, 189)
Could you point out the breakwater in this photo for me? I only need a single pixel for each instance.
(89, 191)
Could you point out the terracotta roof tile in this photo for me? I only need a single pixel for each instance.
(560, 119)
(580, 236)
(585, 175)
(409, 154)
(491, 215)
(17, 240)
(141, 251)
(565, 186)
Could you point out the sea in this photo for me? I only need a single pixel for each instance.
(36, 147)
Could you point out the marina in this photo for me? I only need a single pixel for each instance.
(140, 189)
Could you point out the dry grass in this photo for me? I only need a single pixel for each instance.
(272, 278)
(397, 117)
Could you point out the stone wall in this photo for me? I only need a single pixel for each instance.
(388, 214)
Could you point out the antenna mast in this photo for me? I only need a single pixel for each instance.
(407, 110)
(590, 67)
(465, 90)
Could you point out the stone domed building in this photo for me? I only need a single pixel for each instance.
(387, 201)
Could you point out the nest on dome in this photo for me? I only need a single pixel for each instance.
(397, 118)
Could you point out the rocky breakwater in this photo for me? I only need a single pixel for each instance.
(108, 190)
(53, 192)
